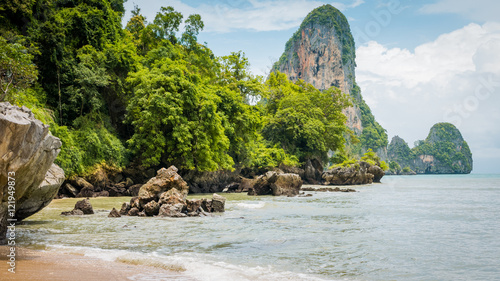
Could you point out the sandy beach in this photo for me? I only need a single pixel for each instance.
(51, 265)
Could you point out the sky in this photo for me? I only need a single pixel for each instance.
(418, 62)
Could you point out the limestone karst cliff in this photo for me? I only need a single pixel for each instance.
(444, 151)
(322, 52)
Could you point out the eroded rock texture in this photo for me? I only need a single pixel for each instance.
(27, 154)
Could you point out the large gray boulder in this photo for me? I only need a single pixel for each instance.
(27, 154)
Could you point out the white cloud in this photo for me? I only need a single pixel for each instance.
(478, 10)
(455, 78)
(254, 15)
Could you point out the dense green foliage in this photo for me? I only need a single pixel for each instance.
(303, 120)
(444, 143)
(17, 70)
(143, 95)
(370, 157)
(373, 135)
(326, 17)
(447, 145)
(399, 153)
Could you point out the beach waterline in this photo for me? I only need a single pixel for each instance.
(407, 228)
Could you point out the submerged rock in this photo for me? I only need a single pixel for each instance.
(327, 189)
(27, 152)
(74, 212)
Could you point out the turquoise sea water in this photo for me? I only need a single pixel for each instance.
(444, 227)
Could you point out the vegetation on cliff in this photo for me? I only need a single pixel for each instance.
(303, 120)
(146, 95)
(373, 136)
(443, 151)
(325, 22)
(328, 17)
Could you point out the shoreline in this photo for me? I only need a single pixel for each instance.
(51, 265)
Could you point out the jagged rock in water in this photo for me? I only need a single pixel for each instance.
(27, 152)
(218, 203)
(353, 175)
(114, 214)
(133, 211)
(135, 203)
(206, 205)
(85, 206)
(152, 208)
(165, 196)
(165, 180)
(82, 207)
(195, 204)
(173, 196)
(275, 183)
(125, 208)
(322, 53)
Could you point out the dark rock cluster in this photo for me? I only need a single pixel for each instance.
(165, 196)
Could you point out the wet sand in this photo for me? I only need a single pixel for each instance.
(51, 265)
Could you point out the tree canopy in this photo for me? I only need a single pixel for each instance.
(151, 94)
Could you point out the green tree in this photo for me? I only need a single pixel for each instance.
(17, 70)
(90, 79)
(234, 72)
(166, 23)
(194, 25)
(175, 119)
(305, 122)
(394, 166)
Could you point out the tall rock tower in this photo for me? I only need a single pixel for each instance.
(322, 53)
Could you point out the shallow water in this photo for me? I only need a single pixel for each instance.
(407, 228)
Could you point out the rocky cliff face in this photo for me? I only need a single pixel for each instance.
(27, 172)
(322, 53)
(444, 151)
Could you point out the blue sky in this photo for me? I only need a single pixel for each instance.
(419, 62)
